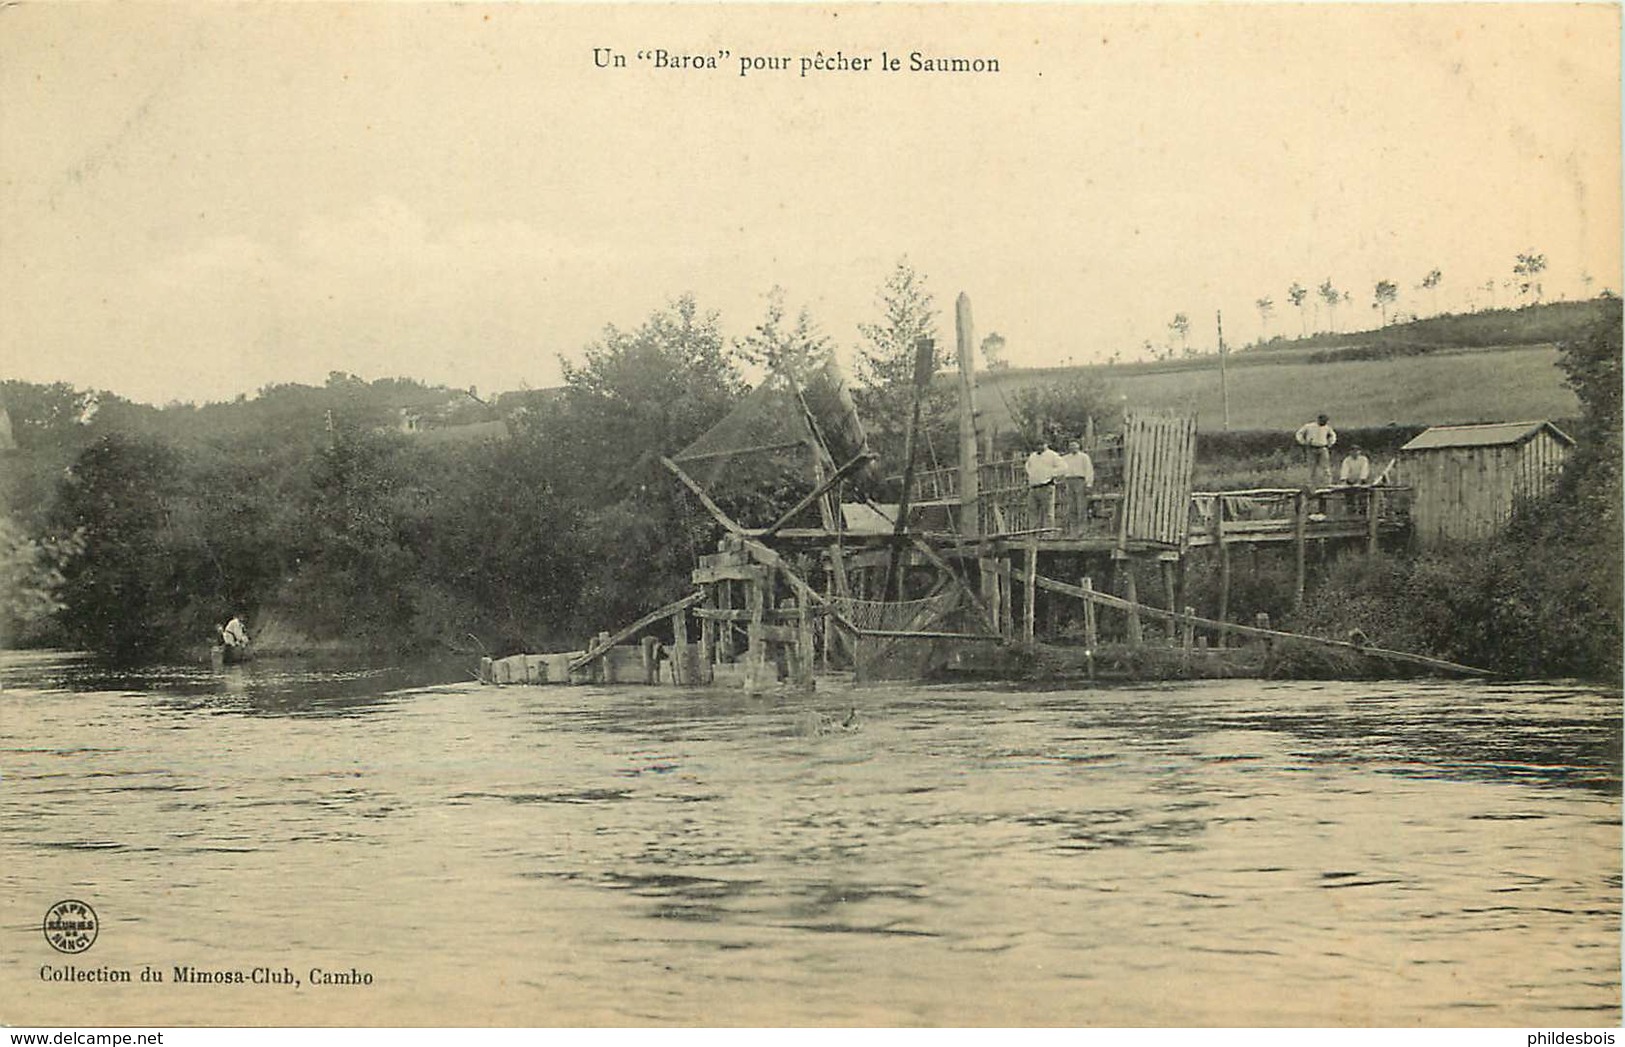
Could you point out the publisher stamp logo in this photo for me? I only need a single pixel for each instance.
(70, 926)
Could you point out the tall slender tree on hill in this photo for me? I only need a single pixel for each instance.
(1297, 294)
(1527, 270)
(1266, 308)
(1383, 295)
(1332, 297)
(1180, 326)
(1430, 283)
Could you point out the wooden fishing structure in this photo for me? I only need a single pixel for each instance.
(956, 567)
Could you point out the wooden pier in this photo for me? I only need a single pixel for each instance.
(892, 591)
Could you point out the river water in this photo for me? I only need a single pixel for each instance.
(1219, 853)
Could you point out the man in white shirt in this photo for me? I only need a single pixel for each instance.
(235, 634)
(1078, 478)
(1317, 438)
(1356, 468)
(1043, 467)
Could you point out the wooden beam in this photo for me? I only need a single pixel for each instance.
(926, 634)
(767, 556)
(597, 650)
(936, 560)
(818, 492)
(1248, 630)
(785, 445)
(711, 507)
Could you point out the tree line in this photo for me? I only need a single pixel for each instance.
(331, 517)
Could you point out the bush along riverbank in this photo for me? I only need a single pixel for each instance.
(1541, 599)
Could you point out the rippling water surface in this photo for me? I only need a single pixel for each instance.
(1203, 854)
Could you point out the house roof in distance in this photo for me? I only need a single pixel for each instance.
(1492, 434)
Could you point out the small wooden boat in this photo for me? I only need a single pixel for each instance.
(230, 654)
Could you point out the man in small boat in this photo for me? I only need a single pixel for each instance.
(234, 637)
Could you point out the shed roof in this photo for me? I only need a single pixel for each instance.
(1492, 434)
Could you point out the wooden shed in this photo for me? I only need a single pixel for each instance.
(1467, 478)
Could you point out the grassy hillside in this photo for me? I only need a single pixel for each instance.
(1498, 365)
(1479, 385)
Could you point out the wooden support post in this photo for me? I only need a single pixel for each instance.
(651, 664)
(1187, 629)
(1132, 592)
(804, 645)
(1373, 506)
(1170, 596)
(1300, 523)
(680, 661)
(992, 591)
(1028, 622)
(1091, 624)
(829, 630)
(1007, 603)
(1224, 564)
(725, 600)
(756, 594)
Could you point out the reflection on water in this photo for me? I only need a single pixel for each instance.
(1209, 854)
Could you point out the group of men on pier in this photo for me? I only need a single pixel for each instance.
(1317, 438)
(1072, 475)
(1048, 470)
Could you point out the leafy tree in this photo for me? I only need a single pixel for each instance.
(1061, 409)
(1332, 297)
(885, 362)
(1180, 326)
(993, 352)
(126, 593)
(797, 348)
(1527, 270)
(1297, 294)
(31, 579)
(1383, 295)
(645, 392)
(1266, 309)
(1430, 283)
(909, 314)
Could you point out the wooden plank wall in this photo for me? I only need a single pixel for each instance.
(1159, 458)
(1465, 493)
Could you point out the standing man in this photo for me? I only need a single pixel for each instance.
(1078, 477)
(1317, 438)
(1043, 466)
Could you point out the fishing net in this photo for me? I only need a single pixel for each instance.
(899, 616)
(774, 447)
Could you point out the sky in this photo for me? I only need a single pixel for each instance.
(200, 200)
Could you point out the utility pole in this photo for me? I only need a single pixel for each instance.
(1224, 374)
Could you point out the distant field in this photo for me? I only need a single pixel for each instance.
(1439, 388)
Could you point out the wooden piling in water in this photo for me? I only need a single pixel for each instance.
(1136, 636)
(1091, 623)
(1028, 623)
(1300, 523)
(1170, 595)
(1372, 517)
